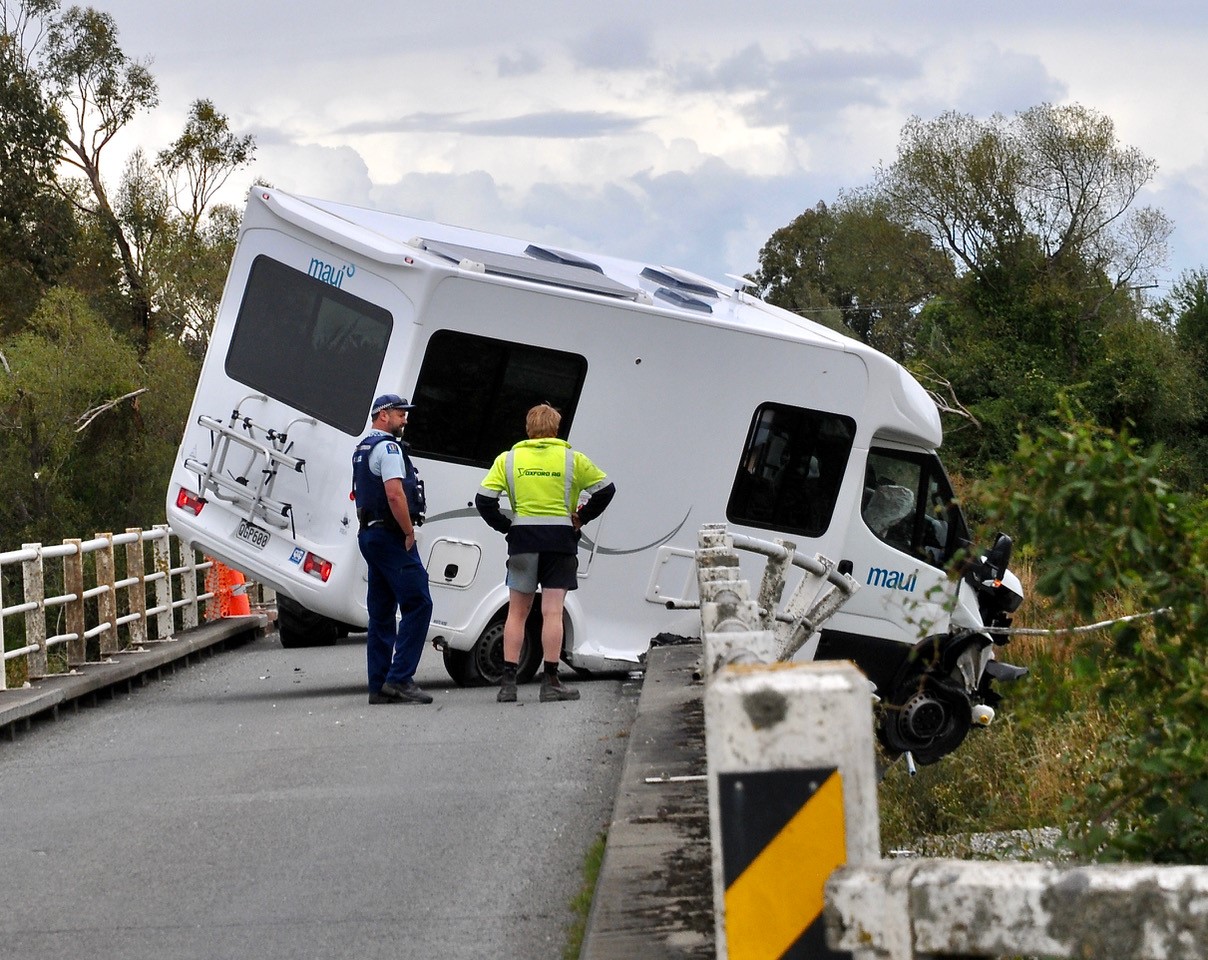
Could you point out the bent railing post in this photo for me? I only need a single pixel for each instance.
(792, 785)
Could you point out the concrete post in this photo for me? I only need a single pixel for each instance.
(915, 909)
(792, 796)
(136, 593)
(161, 550)
(33, 575)
(105, 569)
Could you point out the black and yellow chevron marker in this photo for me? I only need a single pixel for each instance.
(782, 834)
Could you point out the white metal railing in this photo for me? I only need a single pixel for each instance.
(161, 590)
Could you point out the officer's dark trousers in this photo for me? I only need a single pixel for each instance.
(397, 582)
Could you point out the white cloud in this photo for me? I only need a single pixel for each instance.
(645, 127)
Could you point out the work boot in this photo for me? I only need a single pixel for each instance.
(552, 689)
(507, 691)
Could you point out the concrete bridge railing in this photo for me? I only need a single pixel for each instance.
(795, 828)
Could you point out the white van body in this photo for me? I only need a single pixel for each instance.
(679, 386)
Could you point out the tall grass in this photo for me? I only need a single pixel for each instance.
(1026, 770)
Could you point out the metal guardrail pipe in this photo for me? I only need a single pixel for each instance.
(147, 601)
(792, 801)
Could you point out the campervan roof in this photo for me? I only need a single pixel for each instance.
(395, 238)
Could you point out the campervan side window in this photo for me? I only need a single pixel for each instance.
(791, 467)
(308, 344)
(473, 392)
(908, 503)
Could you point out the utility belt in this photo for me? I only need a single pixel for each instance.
(366, 519)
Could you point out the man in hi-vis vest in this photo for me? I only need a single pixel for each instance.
(544, 479)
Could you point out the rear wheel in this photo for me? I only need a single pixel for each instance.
(482, 664)
(457, 665)
(299, 627)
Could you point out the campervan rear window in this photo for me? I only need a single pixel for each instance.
(473, 392)
(791, 467)
(308, 344)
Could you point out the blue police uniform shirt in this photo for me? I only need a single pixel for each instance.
(386, 458)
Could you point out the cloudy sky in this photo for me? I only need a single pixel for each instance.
(683, 133)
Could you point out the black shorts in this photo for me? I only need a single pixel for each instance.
(557, 571)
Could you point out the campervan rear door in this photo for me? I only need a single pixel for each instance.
(307, 336)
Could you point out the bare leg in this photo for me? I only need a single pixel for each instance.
(519, 605)
(551, 624)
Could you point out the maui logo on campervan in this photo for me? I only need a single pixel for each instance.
(892, 579)
(328, 273)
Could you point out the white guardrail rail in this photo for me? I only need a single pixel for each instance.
(794, 824)
(118, 591)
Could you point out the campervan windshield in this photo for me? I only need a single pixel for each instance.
(908, 503)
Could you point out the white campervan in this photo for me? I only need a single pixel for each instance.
(702, 403)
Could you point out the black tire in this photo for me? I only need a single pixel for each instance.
(457, 665)
(299, 627)
(484, 661)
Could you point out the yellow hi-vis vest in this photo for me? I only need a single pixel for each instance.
(544, 479)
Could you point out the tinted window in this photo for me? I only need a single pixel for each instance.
(309, 344)
(908, 503)
(791, 468)
(473, 393)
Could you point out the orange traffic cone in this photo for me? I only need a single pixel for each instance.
(229, 592)
(237, 604)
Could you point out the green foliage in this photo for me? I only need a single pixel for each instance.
(1094, 506)
(204, 155)
(35, 223)
(63, 367)
(853, 268)
(87, 432)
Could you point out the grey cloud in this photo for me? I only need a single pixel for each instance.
(712, 221)
(1005, 81)
(801, 91)
(553, 124)
(522, 64)
(614, 47)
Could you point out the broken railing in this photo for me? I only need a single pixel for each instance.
(794, 824)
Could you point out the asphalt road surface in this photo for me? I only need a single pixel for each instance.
(255, 806)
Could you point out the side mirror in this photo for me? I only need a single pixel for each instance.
(999, 557)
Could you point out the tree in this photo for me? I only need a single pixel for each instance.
(853, 268)
(100, 90)
(206, 154)
(1038, 214)
(191, 267)
(36, 227)
(155, 220)
(1185, 311)
(1051, 182)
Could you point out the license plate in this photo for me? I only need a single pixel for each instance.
(251, 534)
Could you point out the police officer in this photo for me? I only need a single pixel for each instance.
(544, 479)
(390, 505)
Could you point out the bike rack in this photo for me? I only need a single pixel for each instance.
(265, 457)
